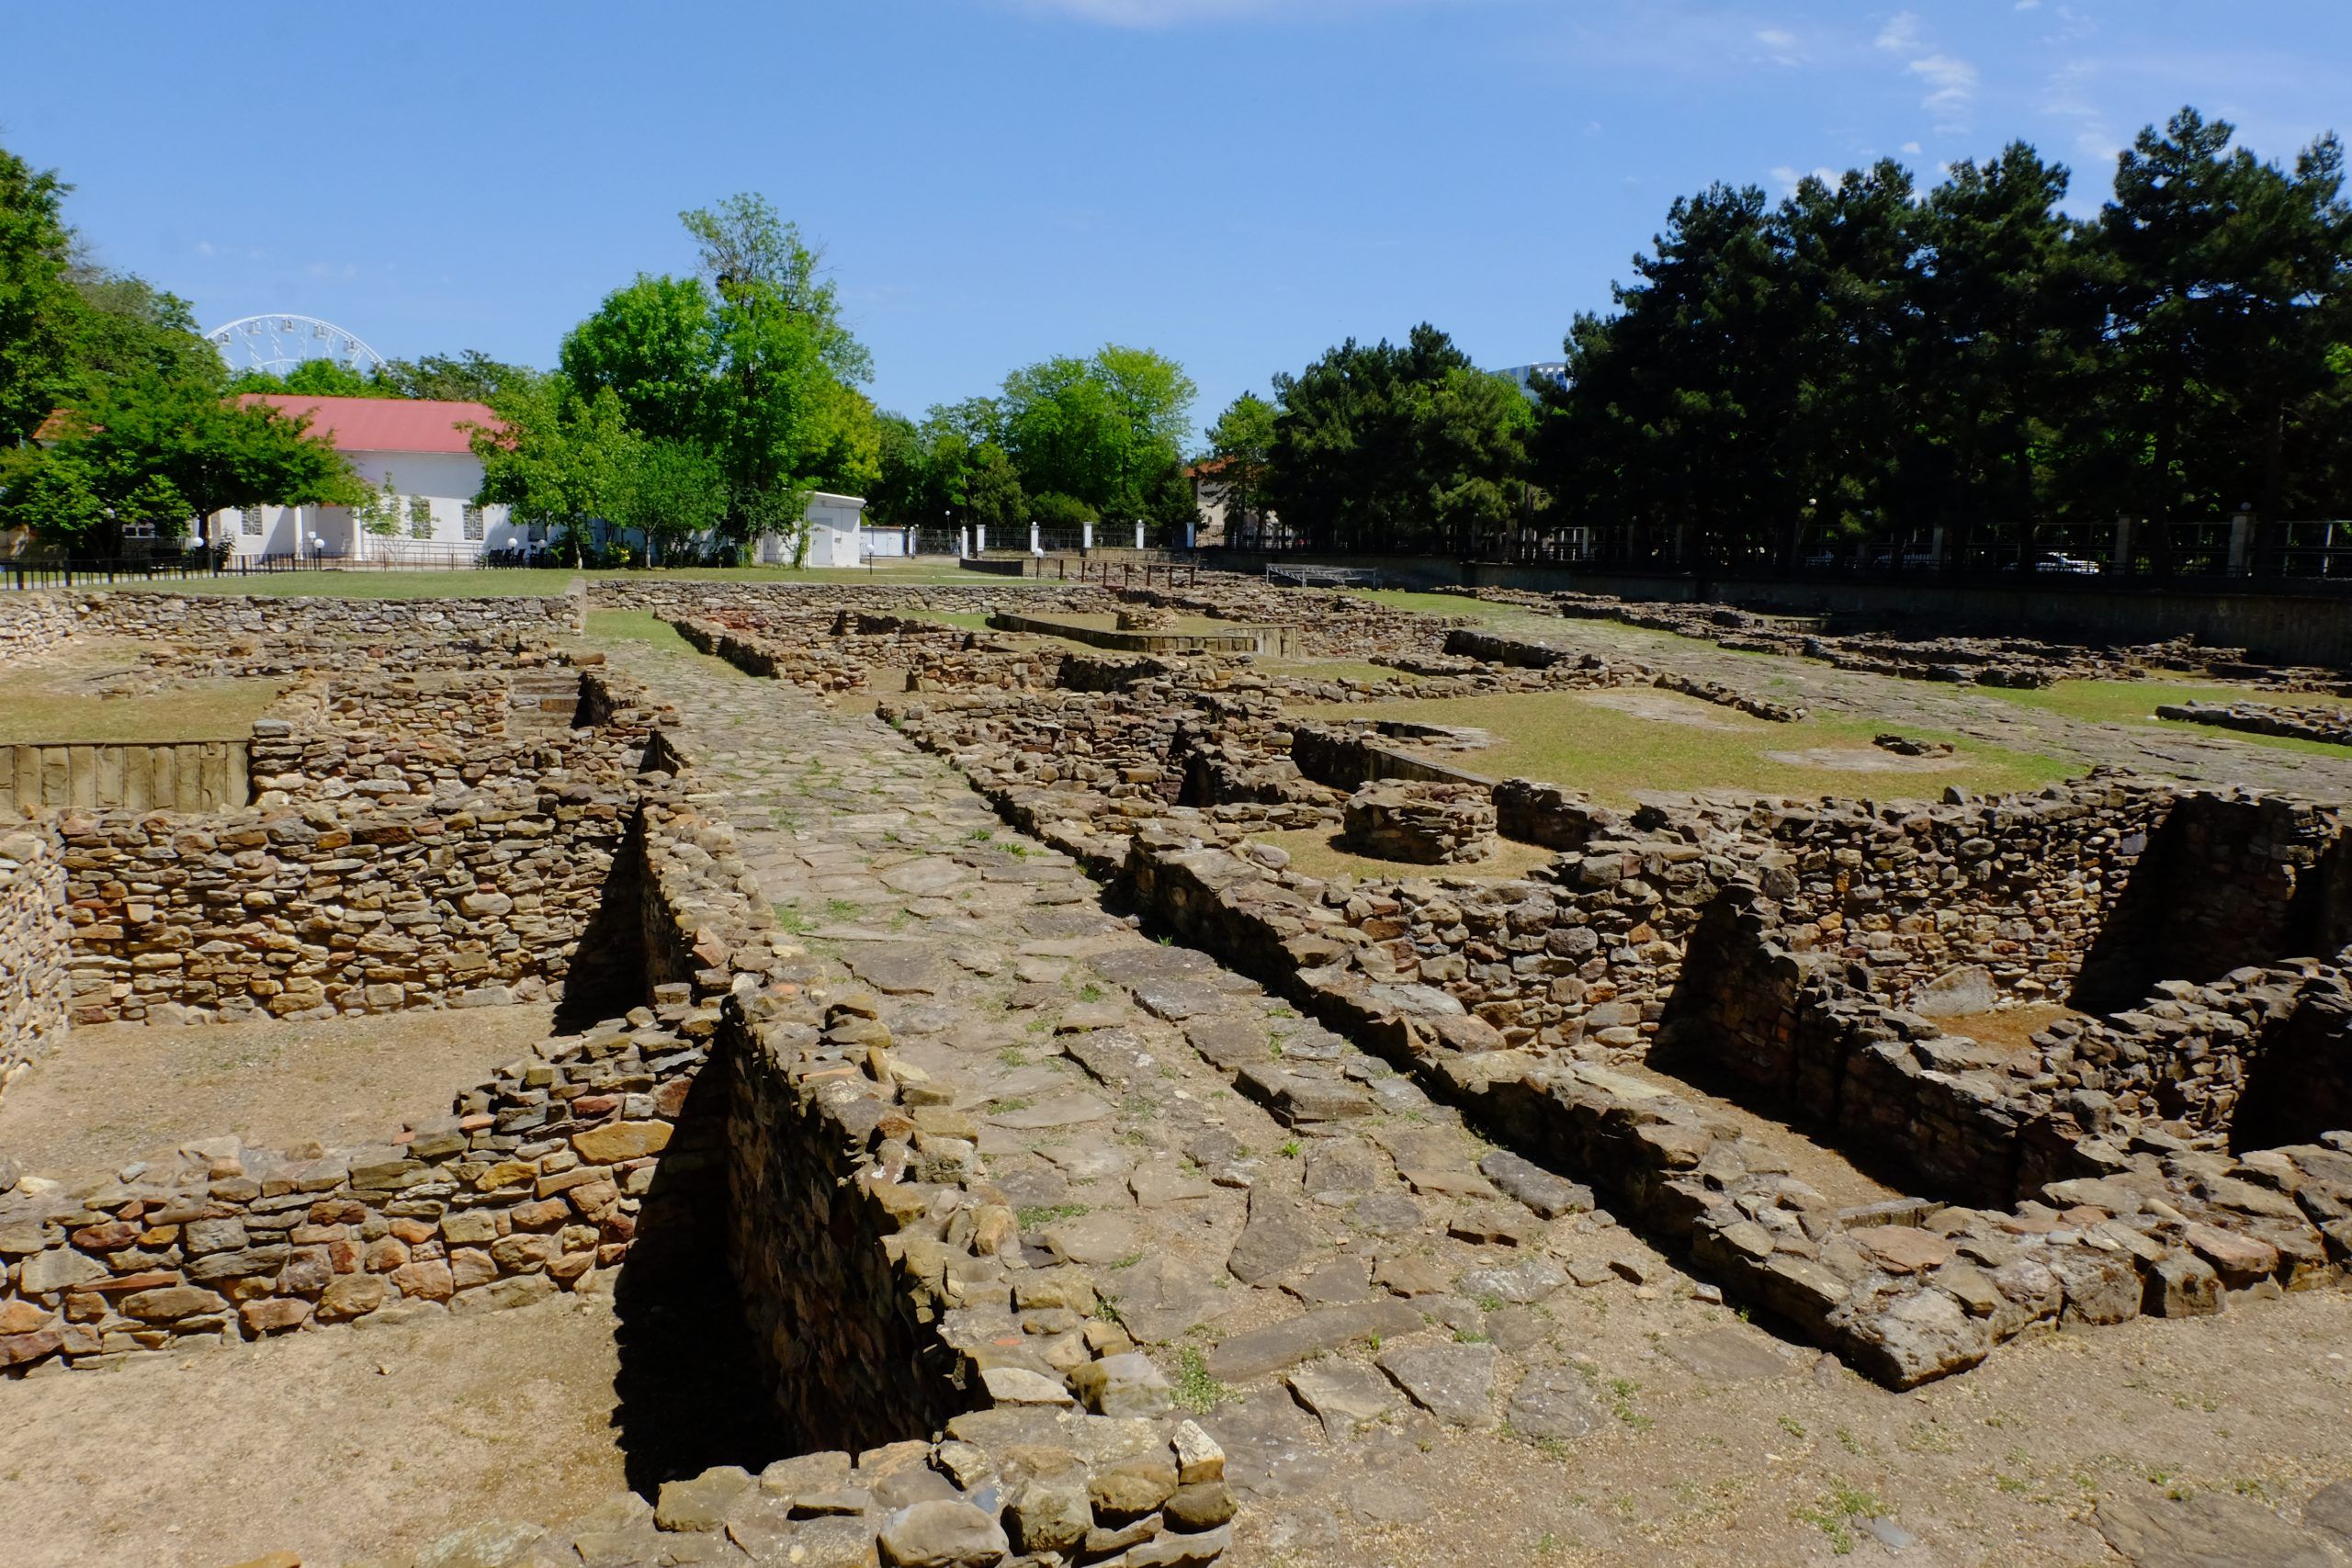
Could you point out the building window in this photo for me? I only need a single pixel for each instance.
(473, 521)
(252, 523)
(419, 517)
(143, 530)
(538, 533)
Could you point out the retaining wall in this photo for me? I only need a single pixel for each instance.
(164, 775)
(35, 987)
(33, 621)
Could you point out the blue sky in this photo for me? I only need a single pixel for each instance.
(1237, 183)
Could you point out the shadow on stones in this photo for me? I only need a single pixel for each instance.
(608, 974)
(2221, 885)
(2299, 1076)
(692, 1390)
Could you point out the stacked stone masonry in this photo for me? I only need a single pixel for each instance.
(35, 973)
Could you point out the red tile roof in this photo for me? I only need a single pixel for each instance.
(383, 424)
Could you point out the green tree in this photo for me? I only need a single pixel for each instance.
(2227, 274)
(214, 455)
(124, 328)
(670, 492)
(1102, 429)
(554, 458)
(992, 496)
(36, 299)
(1397, 448)
(655, 345)
(471, 377)
(378, 514)
(1242, 443)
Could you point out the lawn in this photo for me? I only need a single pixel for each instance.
(57, 700)
(2135, 702)
(636, 625)
(1569, 738)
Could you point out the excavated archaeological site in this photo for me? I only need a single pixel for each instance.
(1022, 1072)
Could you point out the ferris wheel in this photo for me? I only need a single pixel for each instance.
(279, 343)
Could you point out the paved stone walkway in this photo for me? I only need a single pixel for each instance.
(1286, 1225)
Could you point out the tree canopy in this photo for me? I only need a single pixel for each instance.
(1405, 447)
(1065, 440)
(1859, 360)
(138, 434)
(741, 379)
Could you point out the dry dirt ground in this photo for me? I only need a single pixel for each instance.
(1759, 1456)
(120, 1091)
(345, 1448)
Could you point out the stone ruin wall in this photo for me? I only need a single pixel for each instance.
(1906, 1292)
(312, 911)
(1512, 1000)
(410, 848)
(33, 621)
(36, 986)
(215, 619)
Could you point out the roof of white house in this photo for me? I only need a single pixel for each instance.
(385, 425)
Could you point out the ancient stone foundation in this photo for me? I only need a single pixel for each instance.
(1430, 824)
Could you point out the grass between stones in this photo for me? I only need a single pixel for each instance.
(639, 627)
(1682, 744)
(2135, 702)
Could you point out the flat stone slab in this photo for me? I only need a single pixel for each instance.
(899, 972)
(1228, 1043)
(1343, 1397)
(1276, 1240)
(1727, 1355)
(1550, 1196)
(1162, 1298)
(2209, 1530)
(1553, 1402)
(1131, 964)
(1093, 1239)
(1529, 1280)
(1284, 1344)
(1087, 1160)
(1177, 1001)
(1061, 1110)
(1453, 1383)
(932, 875)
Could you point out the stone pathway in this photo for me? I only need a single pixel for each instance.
(1413, 1347)
(1284, 1224)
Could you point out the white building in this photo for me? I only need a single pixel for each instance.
(837, 535)
(424, 449)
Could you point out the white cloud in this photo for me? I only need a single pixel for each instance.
(1780, 45)
(1951, 82)
(1901, 33)
(1910, 147)
(1789, 178)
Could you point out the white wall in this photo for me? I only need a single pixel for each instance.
(448, 480)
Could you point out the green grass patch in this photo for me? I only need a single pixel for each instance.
(636, 625)
(1573, 738)
(1195, 1389)
(2135, 702)
(1835, 1512)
